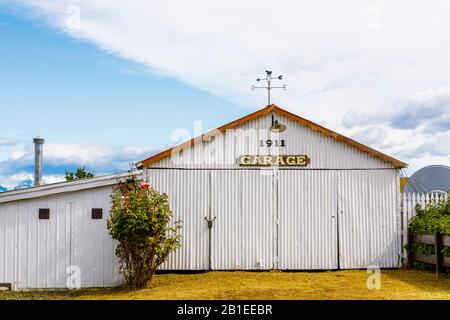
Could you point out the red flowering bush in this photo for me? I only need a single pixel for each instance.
(140, 221)
(144, 186)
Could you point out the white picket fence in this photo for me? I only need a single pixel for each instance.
(409, 203)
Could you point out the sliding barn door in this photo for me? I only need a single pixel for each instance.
(307, 215)
(369, 218)
(243, 231)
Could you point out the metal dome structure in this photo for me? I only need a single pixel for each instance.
(434, 178)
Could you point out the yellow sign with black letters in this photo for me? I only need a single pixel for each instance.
(274, 160)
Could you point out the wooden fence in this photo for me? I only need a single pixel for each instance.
(438, 259)
(408, 210)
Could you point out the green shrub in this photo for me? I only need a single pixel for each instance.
(139, 220)
(80, 173)
(435, 217)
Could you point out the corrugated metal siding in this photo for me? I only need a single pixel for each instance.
(247, 204)
(307, 220)
(369, 219)
(188, 193)
(243, 235)
(265, 219)
(325, 152)
(305, 203)
(35, 253)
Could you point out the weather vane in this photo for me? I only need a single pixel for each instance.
(269, 87)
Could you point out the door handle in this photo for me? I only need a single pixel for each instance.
(210, 222)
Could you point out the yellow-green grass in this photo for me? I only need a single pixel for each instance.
(349, 284)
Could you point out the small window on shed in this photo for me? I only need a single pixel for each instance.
(97, 213)
(44, 214)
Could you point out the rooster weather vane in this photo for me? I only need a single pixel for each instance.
(269, 86)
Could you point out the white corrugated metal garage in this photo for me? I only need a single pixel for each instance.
(333, 203)
(341, 210)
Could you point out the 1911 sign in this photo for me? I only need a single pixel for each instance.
(271, 160)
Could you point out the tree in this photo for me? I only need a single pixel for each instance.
(80, 173)
(140, 222)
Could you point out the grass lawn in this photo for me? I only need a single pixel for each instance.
(349, 284)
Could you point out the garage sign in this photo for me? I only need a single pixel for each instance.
(274, 160)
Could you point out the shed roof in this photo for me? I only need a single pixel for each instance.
(64, 187)
(262, 112)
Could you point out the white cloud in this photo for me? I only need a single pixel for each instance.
(53, 178)
(429, 110)
(101, 159)
(14, 180)
(331, 58)
(418, 131)
(7, 142)
(91, 154)
(348, 64)
(371, 135)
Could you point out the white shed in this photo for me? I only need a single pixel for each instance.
(268, 191)
(280, 192)
(50, 232)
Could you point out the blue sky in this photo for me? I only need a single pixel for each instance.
(71, 92)
(107, 82)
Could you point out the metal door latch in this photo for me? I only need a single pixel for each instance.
(210, 222)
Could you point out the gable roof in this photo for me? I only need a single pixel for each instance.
(267, 110)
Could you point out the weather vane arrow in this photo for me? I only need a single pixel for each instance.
(269, 86)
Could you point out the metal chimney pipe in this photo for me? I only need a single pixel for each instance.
(38, 160)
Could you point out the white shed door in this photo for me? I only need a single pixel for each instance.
(368, 213)
(243, 231)
(188, 192)
(307, 213)
(92, 250)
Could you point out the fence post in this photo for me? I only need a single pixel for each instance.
(404, 211)
(409, 264)
(438, 249)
